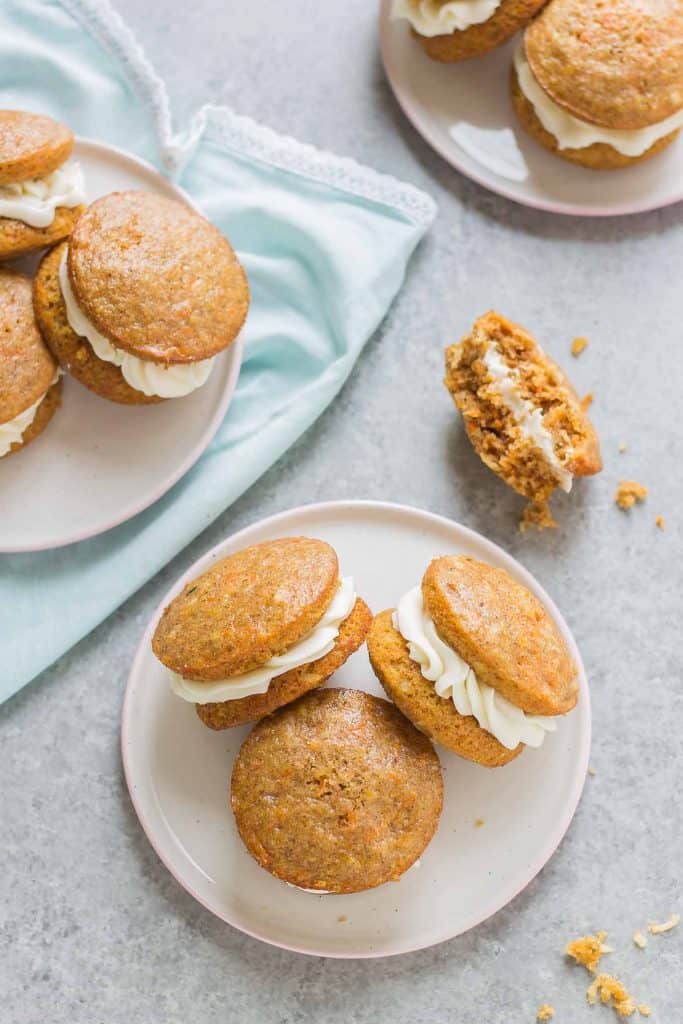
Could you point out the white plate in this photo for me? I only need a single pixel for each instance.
(178, 771)
(472, 99)
(99, 463)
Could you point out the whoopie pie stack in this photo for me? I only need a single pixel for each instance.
(600, 82)
(41, 192)
(141, 299)
(336, 790)
(30, 388)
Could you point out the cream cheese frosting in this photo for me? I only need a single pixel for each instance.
(529, 418)
(572, 133)
(455, 680)
(436, 17)
(159, 379)
(35, 201)
(316, 644)
(13, 430)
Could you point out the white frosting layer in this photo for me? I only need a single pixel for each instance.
(172, 381)
(317, 644)
(454, 679)
(528, 417)
(34, 201)
(13, 431)
(440, 17)
(571, 133)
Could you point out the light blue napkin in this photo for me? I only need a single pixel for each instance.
(343, 237)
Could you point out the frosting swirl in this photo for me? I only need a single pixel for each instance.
(441, 17)
(317, 644)
(34, 201)
(159, 379)
(528, 417)
(13, 430)
(454, 680)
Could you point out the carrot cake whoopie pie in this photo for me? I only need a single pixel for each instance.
(337, 792)
(450, 30)
(30, 388)
(141, 299)
(41, 191)
(600, 82)
(259, 629)
(521, 414)
(473, 659)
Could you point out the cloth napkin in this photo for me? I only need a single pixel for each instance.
(344, 237)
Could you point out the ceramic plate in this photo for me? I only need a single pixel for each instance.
(464, 112)
(178, 771)
(99, 463)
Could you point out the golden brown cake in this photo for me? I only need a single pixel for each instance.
(452, 30)
(520, 412)
(292, 684)
(259, 629)
(29, 386)
(142, 299)
(337, 792)
(473, 659)
(629, 492)
(588, 950)
(40, 192)
(600, 82)
(72, 351)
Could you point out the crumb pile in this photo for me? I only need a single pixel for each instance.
(629, 492)
(665, 926)
(588, 950)
(611, 991)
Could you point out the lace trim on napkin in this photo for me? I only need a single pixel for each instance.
(222, 126)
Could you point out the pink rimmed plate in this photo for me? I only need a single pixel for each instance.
(463, 110)
(99, 463)
(178, 771)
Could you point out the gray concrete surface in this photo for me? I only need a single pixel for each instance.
(93, 927)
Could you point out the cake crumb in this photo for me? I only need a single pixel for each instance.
(591, 770)
(611, 992)
(629, 492)
(578, 345)
(537, 515)
(666, 926)
(478, 822)
(587, 401)
(622, 446)
(644, 1010)
(588, 950)
(545, 1012)
(639, 940)
(660, 522)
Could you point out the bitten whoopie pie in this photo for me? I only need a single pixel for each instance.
(521, 414)
(473, 659)
(30, 388)
(600, 82)
(450, 30)
(41, 191)
(337, 792)
(142, 298)
(259, 629)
